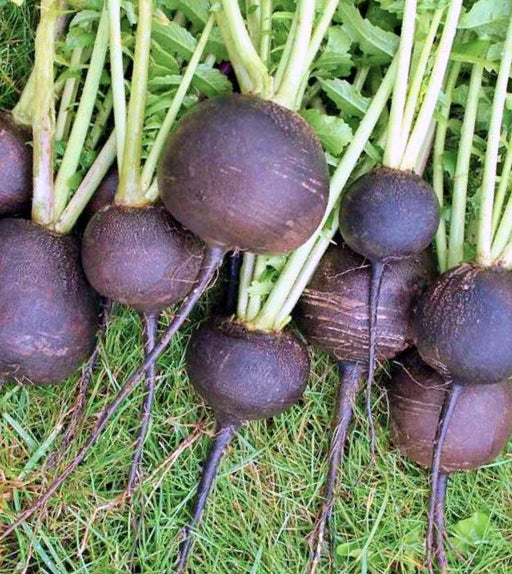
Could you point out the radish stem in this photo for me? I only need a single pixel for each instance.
(502, 189)
(394, 146)
(426, 112)
(484, 236)
(75, 144)
(43, 122)
(438, 163)
(89, 184)
(418, 75)
(246, 272)
(100, 121)
(68, 98)
(266, 30)
(460, 180)
(117, 75)
(148, 171)
(129, 191)
(297, 64)
(242, 44)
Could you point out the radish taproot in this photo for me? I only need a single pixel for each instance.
(479, 427)
(333, 313)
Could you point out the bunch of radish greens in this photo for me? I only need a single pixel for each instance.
(246, 172)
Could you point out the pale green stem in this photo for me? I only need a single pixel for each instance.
(89, 185)
(244, 284)
(393, 150)
(418, 76)
(100, 121)
(243, 45)
(285, 56)
(75, 144)
(319, 32)
(117, 75)
(153, 193)
(156, 149)
(280, 297)
(242, 75)
(503, 186)
(503, 236)
(423, 156)
(43, 121)
(434, 87)
(360, 79)
(129, 191)
(253, 12)
(484, 235)
(305, 273)
(68, 98)
(297, 69)
(438, 163)
(505, 259)
(254, 305)
(23, 110)
(460, 180)
(266, 31)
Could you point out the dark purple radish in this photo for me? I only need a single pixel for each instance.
(334, 314)
(246, 173)
(15, 167)
(387, 214)
(466, 312)
(478, 430)
(243, 375)
(140, 257)
(48, 312)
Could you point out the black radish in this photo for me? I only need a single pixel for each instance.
(15, 167)
(478, 430)
(48, 312)
(243, 375)
(140, 257)
(334, 314)
(386, 214)
(242, 172)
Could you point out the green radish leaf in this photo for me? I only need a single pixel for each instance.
(333, 132)
(130, 11)
(211, 82)
(215, 46)
(195, 10)
(260, 288)
(84, 17)
(79, 38)
(277, 262)
(164, 59)
(487, 18)
(164, 82)
(372, 40)
(345, 96)
(397, 6)
(173, 38)
(336, 55)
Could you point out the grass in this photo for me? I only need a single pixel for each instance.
(264, 503)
